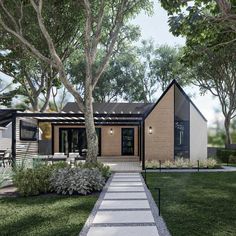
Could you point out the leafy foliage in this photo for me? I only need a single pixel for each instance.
(104, 169)
(32, 181)
(226, 155)
(76, 180)
(182, 163)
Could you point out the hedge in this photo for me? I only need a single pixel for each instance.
(226, 155)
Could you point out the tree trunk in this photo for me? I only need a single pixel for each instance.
(227, 132)
(46, 103)
(92, 140)
(34, 104)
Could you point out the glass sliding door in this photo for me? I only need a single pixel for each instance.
(74, 140)
(127, 141)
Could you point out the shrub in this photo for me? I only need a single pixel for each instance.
(182, 163)
(211, 163)
(77, 180)
(232, 159)
(223, 155)
(152, 164)
(105, 170)
(168, 164)
(30, 182)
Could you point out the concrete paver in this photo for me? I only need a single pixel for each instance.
(125, 204)
(124, 231)
(123, 195)
(107, 217)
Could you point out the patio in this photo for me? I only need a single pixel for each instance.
(124, 166)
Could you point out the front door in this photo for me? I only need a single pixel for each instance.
(127, 141)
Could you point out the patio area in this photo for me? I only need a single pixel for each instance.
(124, 166)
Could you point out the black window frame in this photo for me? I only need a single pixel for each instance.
(35, 126)
(81, 128)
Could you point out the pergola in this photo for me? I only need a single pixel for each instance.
(105, 118)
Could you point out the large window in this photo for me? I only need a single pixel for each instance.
(127, 141)
(28, 131)
(74, 140)
(181, 125)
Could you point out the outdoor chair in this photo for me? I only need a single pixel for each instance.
(75, 157)
(2, 153)
(7, 158)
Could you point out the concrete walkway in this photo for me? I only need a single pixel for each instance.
(125, 208)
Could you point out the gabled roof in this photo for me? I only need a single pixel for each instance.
(174, 82)
(109, 108)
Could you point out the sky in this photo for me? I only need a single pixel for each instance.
(156, 27)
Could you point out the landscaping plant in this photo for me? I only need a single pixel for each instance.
(76, 181)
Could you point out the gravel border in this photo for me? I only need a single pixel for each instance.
(160, 223)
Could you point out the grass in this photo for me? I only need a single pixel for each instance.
(197, 204)
(44, 215)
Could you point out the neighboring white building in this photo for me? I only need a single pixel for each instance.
(5, 137)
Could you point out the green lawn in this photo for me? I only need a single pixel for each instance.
(44, 215)
(230, 164)
(197, 203)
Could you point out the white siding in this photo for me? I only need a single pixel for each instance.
(198, 135)
(5, 143)
(7, 133)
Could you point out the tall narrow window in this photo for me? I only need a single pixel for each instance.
(181, 125)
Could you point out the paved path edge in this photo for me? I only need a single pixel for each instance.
(90, 219)
(160, 222)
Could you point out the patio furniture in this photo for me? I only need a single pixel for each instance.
(2, 153)
(75, 157)
(7, 157)
(59, 156)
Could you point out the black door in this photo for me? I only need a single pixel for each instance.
(127, 140)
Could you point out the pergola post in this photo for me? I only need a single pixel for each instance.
(143, 143)
(13, 140)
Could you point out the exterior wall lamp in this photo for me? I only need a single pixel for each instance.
(150, 130)
(111, 131)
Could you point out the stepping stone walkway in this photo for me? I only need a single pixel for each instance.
(125, 208)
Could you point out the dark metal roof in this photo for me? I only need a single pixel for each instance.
(6, 116)
(109, 108)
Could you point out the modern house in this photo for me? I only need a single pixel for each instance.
(170, 128)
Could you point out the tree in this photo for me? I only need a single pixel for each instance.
(33, 77)
(215, 72)
(102, 23)
(6, 93)
(209, 28)
(166, 66)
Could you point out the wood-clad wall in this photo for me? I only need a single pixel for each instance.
(160, 144)
(25, 149)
